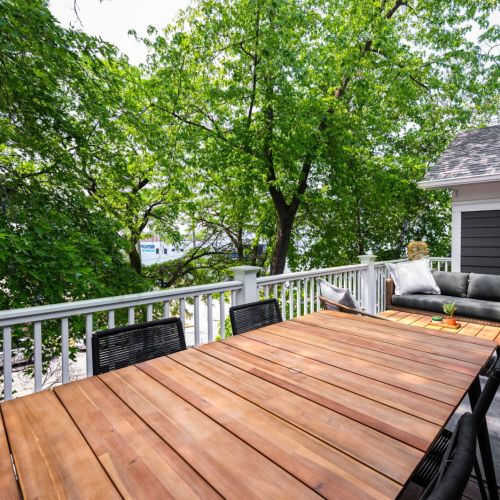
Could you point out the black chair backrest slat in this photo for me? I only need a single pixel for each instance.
(254, 315)
(457, 463)
(488, 393)
(124, 346)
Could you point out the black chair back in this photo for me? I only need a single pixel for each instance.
(254, 315)
(487, 394)
(457, 463)
(128, 345)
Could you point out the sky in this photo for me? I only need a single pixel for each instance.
(112, 19)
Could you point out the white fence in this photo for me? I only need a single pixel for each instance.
(202, 309)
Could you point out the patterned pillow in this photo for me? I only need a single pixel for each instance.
(413, 277)
(341, 295)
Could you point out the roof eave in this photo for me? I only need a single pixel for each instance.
(458, 181)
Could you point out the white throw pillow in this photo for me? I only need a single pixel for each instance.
(341, 295)
(413, 277)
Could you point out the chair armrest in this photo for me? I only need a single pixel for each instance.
(346, 309)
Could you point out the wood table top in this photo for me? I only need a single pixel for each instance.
(328, 404)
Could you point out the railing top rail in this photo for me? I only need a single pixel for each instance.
(280, 278)
(384, 262)
(66, 309)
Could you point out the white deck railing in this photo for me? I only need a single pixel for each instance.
(202, 309)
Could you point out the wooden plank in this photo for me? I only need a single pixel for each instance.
(387, 313)
(231, 466)
(397, 378)
(471, 329)
(414, 404)
(51, 457)
(8, 482)
(400, 315)
(489, 332)
(382, 453)
(323, 468)
(138, 461)
(393, 325)
(422, 322)
(408, 320)
(450, 345)
(402, 426)
(328, 339)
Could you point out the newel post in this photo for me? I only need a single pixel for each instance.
(247, 275)
(369, 284)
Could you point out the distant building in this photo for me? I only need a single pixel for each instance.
(154, 251)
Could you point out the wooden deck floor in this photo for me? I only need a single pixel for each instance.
(422, 320)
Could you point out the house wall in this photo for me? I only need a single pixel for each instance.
(470, 198)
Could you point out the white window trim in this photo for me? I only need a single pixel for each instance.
(456, 225)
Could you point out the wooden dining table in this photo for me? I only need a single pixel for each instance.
(327, 404)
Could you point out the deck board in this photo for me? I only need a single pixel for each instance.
(138, 461)
(474, 332)
(51, 456)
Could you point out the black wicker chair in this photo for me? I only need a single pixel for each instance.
(457, 462)
(254, 315)
(128, 345)
(429, 467)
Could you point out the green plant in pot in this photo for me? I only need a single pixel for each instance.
(450, 308)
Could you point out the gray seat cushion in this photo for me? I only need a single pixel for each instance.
(484, 286)
(473, 308)
(454, 284)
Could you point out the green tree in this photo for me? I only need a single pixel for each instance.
(284, 87)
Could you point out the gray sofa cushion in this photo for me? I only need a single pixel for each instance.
(474, 308)
(454, 284)
(484, 286)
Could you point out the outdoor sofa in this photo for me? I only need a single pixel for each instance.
(477, 297)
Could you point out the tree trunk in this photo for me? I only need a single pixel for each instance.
(135, 258)
(283, 237)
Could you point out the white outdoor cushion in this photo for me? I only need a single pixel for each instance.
(341, 295)
(413, 277)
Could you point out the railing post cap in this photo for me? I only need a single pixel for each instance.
(245, 269)
(367, 258)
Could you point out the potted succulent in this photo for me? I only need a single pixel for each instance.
(450, 309)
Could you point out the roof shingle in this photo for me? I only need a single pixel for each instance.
(472, 153)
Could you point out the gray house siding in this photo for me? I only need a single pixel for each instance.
(480, 242)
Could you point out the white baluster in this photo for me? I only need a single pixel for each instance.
(182, 307)
(131, 315)
(88, 344)
(275, 291)
(7, 362)
(299, 299)
(65, 350)
(149, 312)
(197, 320)
(306, 296)
(166, 309)
(283, 301)
(38, 355)
(222, 316)
(111, 319)
(266, 292)
(290, 300)
(210, 332)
